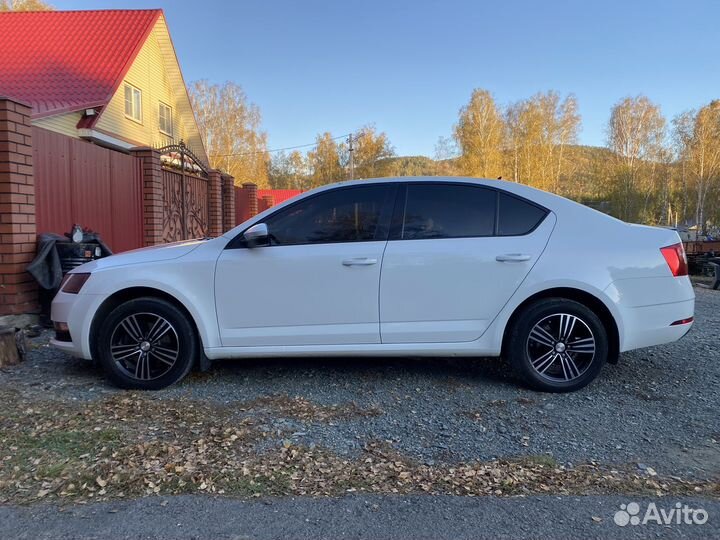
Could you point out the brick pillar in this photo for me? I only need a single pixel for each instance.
(152, 195)
(267, 201)
(228, 203)
(18, 290)
(215, 203)
(250, 190)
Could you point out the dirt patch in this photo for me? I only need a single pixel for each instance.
(133, 445)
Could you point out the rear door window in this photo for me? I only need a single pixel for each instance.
(448, 211)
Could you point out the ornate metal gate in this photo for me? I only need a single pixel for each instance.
(185, 194)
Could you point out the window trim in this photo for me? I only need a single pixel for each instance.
(386, 214)
(162, 104)
(398, 220)
(398, 213)
(129, 117)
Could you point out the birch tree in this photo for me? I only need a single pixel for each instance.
(230, 127)
(682, 134)
(479, 135)
(538, 131)
(369, 147)
(636, 136)
(702, 152)
(288, 171)
(324, 162)
(25, 5)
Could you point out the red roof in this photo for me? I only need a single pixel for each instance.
(61, 61)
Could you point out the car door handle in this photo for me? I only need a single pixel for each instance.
(513, 257)
(359, 261)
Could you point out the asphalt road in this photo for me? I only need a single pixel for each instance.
(370, 517)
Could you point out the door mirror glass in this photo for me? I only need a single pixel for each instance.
(257, 235)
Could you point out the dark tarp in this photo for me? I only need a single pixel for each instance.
(46, 268)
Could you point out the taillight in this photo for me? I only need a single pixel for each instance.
(676, 259)
(72, 283)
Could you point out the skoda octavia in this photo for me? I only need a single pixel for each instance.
(388, 267)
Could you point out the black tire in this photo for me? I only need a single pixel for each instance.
(130, 328)
(541, 359)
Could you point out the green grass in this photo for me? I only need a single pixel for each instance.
(277, 484)
(60, 445)
(55, 470)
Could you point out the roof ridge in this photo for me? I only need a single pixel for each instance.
(58, 11)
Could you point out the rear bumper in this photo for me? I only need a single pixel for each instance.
(653, 325)
(648, 307)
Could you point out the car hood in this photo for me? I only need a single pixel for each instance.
(162, 252)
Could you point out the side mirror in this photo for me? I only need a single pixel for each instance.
(257, 235)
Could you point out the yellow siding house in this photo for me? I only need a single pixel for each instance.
(120, 85)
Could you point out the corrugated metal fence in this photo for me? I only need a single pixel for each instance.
(250, 201)
(78, 182)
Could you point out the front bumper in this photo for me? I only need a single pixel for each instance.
(77, 310)
(65, 346)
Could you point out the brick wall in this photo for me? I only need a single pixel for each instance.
(18, 290)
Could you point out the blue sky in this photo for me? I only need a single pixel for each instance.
(408, 66)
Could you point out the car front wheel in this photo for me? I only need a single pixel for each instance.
(146, 344)
(557, 345)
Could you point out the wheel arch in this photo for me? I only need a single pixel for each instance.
(583, 297)
(130, 293)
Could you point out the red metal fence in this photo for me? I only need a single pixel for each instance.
(250, 201)
(79, 182)
(50, 181)
(278, 195)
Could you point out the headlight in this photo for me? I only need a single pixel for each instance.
(72, 283)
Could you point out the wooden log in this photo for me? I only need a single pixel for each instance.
(9, 354)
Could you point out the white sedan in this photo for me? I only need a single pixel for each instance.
(388, 267)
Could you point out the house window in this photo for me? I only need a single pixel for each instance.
(133, 103)
(165, 119)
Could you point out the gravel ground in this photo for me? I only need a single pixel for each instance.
(657, 408)
(652, 416)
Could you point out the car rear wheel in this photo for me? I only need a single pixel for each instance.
(146, 344)
(557, 345)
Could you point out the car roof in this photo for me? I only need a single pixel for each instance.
(536, 195)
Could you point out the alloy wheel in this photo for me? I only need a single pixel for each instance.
(560, 347)
(145, 346)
